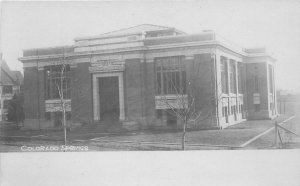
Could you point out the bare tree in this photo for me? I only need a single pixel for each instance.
(62, 89)
(185, 104)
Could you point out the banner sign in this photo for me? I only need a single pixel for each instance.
(165, 102)
(107, 66)
(56, 105)
(256, 99)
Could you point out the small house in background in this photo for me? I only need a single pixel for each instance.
(10, 85)
(133, 75)
(288, 102)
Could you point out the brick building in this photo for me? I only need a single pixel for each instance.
(125, 76)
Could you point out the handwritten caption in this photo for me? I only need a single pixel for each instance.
(53, 148)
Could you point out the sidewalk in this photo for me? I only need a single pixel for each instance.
(232, 136)
(289, 140)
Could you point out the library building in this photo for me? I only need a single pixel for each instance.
(143, 75)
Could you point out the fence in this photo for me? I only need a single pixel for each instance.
(286, 135)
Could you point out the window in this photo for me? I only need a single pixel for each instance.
(57, 77)
(225, 107)
(242, 111)
(68, 116)
(159, 114)
(271, 106)
(223, 111)
(5, 104)
(256, 82)
(48, 116)
(7, 89)
(58, 118)
(240, 108)
(171, 117)
(256, 107)
(232, 109)
(226, 114)
(233, 105)
(232, 75)
(224, 78)
(271, 78)
(170, 75)
(240, 77)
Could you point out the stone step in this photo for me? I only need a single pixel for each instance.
(8, 126)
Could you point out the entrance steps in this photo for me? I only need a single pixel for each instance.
(4, 125)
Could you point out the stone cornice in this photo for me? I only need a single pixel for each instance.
(108, 36)
(145, 49)
(266, 55)
(81, 54)
(29, 58)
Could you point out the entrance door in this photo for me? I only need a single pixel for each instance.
(109, 98)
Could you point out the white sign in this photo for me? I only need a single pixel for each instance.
(107, 66)
(241, 100)
(256, 99)
(225, 102)
(56, 105)
(163, 102)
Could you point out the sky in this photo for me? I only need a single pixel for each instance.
(274, 24)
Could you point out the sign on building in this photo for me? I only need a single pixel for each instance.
(167, 102)
(256, 99)
(56, 105)
(107, 66)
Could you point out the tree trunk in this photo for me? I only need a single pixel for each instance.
(183, 135)
(64, 124)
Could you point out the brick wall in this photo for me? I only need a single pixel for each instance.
(81, 94)
(34, 98)
(204, 74)
(204, 86)
(133, 83)
(30, 93)
(262, 90)
(149, 92)
(41, 96)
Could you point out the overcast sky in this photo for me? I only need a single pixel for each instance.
(274, 24)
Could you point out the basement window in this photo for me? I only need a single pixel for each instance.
(7, 89)
(48, 116)
(256, 107)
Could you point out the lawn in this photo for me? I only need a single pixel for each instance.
(289, 140)
(233, 136)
